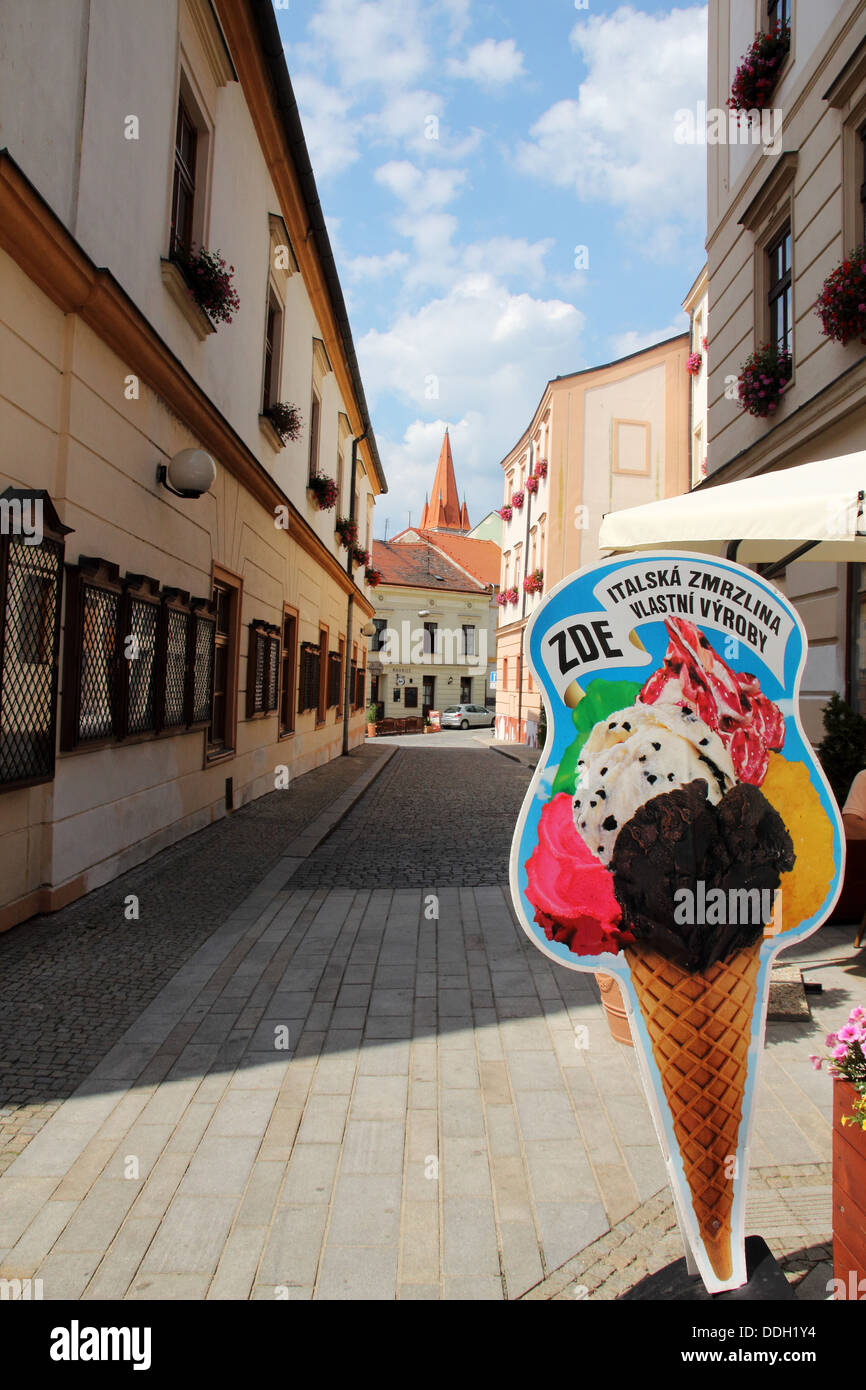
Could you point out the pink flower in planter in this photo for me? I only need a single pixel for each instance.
(505, 513)
(540, 469)
(517, 500)
(693, 363)
(532, 484)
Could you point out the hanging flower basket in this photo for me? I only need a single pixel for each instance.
(347, 531)
(763, 378)
(324, 490)
(841, 305)
(502, 597)
(286, 420)
(704, 344)
(540, 469)
(513, 596)
(360, 556)
(209, 281)
(517, 500)
(532, 483)
(534, 583)
(372, 576)
(758, 73)
(693, 363)
(505, 513)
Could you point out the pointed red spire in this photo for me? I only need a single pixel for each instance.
(445, 513)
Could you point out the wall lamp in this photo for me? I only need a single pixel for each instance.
(190, 473)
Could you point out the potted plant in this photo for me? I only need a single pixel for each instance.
(534, 583)
(324, 489)
(841, 305)
(847, 1066)
(540, 469)
(372, 712)
(286, 420)
(763, 378)
(347, 531)
(428, 727)
(517, 500)
(505, 513)
(359, 555)
(502, 597)
(209, 281)
(372, 576)
(532, 483)
(693, 363)
(512, 596)
(758, 73)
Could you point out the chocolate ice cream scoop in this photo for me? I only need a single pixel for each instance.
(694, 879)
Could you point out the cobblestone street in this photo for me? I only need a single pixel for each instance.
(291, 1079)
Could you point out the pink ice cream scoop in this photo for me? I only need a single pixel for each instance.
(730, 702)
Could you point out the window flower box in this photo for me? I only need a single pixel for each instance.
(763, 378)
(359, 555)
(841, 305)
(693, 363)
(540, 469)
(704, 344)
(756, 77)
(517, 500)
(285, 419)
(502, 597)
(505, 513)
(534, 583)
(347, 531)
(372, 576)
(324, 490)
(512, 596)
(209, 281)
(532, 483)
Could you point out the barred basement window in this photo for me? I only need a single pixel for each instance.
(360, 675)
(31, 581)
(201, 682)
(334, 671)
(308, 683)
(91, 653)
(263, 668)
(353, 684)
(176, 625)
(141, 613)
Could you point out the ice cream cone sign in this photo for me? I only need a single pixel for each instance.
(678, 833)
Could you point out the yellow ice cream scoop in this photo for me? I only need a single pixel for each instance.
(790, 790)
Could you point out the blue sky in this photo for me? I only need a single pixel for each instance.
(463, 152)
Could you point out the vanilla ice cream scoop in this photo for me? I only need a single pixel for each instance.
(638, 753)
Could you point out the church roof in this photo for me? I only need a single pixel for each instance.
(445, 510)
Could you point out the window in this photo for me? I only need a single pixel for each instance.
(273, 339)
(465, 690)
(431, 639)
(287, 697)
(137, 661)
(429, 693)
(183, 186)
(315, 412)
(322, 693)
(226, 599)
(411, 697)
(353, 678)
(360, 683)
(468, 639)
(779, 12)
(505, 673)
(380, 624)
(780, 295)
(335, 673)
(862, 137)
(308, 685)
(395, 694)
(31, 581)
(263, 668)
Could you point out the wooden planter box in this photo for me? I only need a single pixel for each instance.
(849, 1189)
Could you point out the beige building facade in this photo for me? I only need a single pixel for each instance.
(781, 218)
(602, 439)
(165, 659)
(697, 305)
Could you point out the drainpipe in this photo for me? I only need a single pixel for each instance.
(523, 601)
(347, 654)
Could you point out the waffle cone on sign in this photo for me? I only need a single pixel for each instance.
(700, 1028)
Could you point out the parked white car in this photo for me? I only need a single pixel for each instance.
(467, 716)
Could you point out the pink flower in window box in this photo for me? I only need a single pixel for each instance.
(517, 500)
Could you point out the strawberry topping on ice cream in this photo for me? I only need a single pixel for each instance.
(729, 702)
(572, 892)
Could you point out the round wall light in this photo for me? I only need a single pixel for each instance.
(190, 473)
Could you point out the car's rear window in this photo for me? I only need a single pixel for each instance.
(453, 709)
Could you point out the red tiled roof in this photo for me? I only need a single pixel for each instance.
(417, 564)
(480, 558)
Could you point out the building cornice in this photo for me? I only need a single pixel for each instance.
(39, 243)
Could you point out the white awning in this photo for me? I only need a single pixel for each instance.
(772, 515)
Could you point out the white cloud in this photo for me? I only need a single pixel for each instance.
(374, 42)
(509, 256)
(331, 136)
(420, 191)
(634, 339)
(614, 143)
(374, 267)
(491, 63)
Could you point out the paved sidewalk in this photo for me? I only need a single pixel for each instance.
(529, 757)
(72, 981)
(339, 1096)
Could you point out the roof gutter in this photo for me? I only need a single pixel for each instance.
(263, 16)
